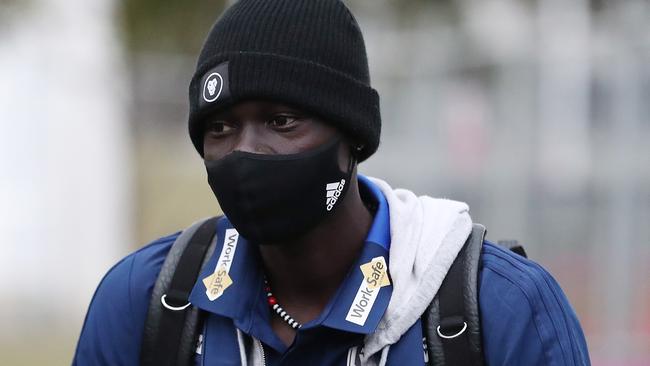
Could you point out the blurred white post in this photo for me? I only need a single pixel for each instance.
(618, 277)
(64, 162)
(564, 91)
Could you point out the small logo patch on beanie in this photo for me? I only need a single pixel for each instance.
(215, 83)
(212, 87)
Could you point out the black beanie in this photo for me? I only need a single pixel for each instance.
(306, 53)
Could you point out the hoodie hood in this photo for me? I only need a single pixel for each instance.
(426, 236)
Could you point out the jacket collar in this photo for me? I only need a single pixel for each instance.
(231, 283)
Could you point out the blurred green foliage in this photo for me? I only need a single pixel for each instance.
(405, 9)
(167, 25)
(177, 26)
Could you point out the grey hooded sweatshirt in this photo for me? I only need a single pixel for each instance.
(426, 236)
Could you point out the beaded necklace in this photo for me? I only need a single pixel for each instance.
(273, 303)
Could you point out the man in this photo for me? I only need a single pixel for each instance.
(314, 264)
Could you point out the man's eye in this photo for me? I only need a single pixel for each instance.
(218, 127)
(282, 121)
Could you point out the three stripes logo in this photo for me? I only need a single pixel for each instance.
(333, 192)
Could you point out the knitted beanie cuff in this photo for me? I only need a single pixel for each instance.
(348, 104)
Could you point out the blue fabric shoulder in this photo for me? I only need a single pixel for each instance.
(526, 318)
(112, 331)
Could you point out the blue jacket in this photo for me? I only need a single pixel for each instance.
(526, 318)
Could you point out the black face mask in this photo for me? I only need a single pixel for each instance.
(271, 199)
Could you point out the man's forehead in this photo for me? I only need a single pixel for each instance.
(262, 107)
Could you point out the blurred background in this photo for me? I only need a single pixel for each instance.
(535, 112)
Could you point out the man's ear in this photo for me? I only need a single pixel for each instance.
(349, 154)
(355, 148)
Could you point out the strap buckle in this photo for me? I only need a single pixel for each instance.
(452, 336)
(173, 308)
(449, 324)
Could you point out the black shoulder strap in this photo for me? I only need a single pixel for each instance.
(513, 245)
(451, 322)
(171, 328)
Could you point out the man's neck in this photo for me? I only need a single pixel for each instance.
(304, 275)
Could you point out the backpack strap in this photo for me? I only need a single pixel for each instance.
(514, 246)
(451, 323)
(172, 324)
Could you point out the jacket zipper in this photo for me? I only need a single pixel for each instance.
(262, 349)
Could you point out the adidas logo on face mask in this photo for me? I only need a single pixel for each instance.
(333, 192)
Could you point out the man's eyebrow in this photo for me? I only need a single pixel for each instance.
(291, 110)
